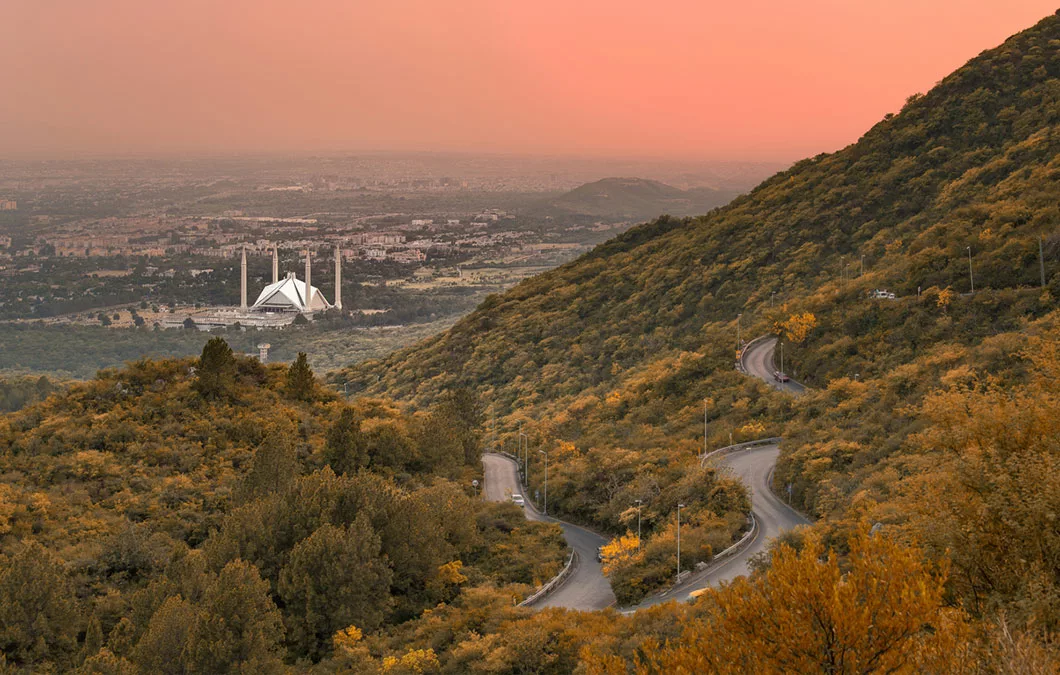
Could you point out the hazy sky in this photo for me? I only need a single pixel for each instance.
(754, 79)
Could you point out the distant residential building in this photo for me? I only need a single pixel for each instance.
(8, 205)
(375, 253)
(422, 222)
(407, 257)
(5, 241)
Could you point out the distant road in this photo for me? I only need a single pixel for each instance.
(587, 588)
(758, 360)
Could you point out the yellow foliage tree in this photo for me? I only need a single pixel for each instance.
(418, 661)
(885, 614)
(797, 327)
(620, 551)
(945, 298)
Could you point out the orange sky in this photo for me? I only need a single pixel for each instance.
(755, 79)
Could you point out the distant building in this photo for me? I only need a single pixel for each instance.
(8, 205)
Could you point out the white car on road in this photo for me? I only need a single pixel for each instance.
(518, 500)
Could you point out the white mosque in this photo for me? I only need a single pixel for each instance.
(291, 295)
(278, 304)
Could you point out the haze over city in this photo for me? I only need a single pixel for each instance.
(764, 80)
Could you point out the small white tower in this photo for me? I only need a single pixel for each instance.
(308, 281)
(275, 263)
(243, 281)
(263, 352)
(338, 277)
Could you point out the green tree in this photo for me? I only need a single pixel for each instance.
(345, 448)
(216, 374)
(39, 617)
(239, 628)
(300, 381)
(274, 467)
(335, 578)
(162, 644)
(461, 409)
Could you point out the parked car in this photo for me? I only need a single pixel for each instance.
(600, 554)
(518, 500)
(780, 377)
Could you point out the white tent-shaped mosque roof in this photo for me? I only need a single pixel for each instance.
(289, 294)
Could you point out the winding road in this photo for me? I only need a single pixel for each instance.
(588, 589)
(758, 360)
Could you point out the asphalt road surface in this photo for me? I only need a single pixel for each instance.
(587, 588)
(759, 361)
(754, 467)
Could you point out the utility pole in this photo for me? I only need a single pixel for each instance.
(545, 453)
(639, 502)
(739, 339)
(1041, 260)
(704, 426)
(679, 542)
(862, 265)
(782, 357)
(971, 276)
(524, 443)
(772, 296)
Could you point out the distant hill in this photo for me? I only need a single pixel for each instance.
(638, 199)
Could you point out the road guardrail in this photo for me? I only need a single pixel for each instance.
(554, 583)
(737, 447)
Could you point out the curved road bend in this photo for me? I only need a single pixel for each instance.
(753, 467)
(758, 360)
(587, 588)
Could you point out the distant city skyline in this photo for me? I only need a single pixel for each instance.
(758, 81)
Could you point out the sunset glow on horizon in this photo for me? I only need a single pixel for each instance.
(758, 80)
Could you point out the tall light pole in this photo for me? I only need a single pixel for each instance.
(843, 267)
(739, 339)
(782, 357)
(545, 453)
(862, 265)
(1041, 260)
(639, 502)
(705, 426)
(971, 276)
(524, 443)
(772, 296)
(679, 542)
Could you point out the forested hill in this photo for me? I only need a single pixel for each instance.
(638, 198)
(973, 163)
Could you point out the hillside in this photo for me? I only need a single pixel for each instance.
(637, 199)
(612, 362)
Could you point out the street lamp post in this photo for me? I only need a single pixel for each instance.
(679, 542)
(739, 339)
(639, 502)
(862, 265)
(971, 276)
(772, 296)
(524, 444)
(545, 453)
(704, 426)
(782, 357)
